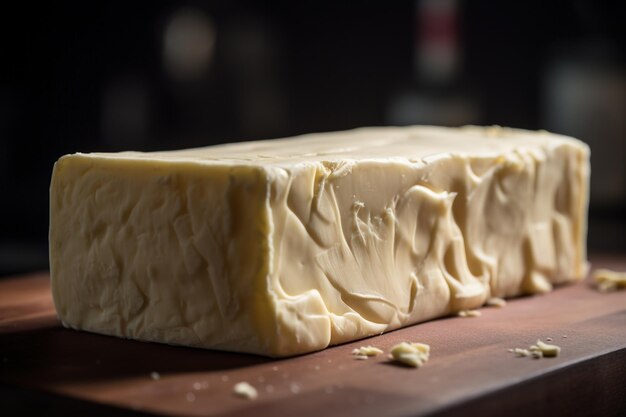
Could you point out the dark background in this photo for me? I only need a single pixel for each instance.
(83, 76)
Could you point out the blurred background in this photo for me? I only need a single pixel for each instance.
(112, 76)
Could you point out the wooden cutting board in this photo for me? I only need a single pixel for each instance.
(45, 367)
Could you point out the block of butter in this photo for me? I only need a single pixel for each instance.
(287, 246)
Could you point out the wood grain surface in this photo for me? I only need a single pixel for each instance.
(45, 367)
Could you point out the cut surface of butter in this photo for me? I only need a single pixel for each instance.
(287, 246)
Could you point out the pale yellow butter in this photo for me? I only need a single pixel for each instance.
(367, 351)
(496, 302)
(245, 390)
(288, 246)
(411, 354)
(607, 280)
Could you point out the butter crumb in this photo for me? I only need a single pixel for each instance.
(549, 351)
(469, 313)
(411, 354)
(607, 280)
(155, 376)
(496, 302)
(519, 352)
(366, 351)
(245, 390)
(538, 351)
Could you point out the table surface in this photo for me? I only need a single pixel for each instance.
(470, 370)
